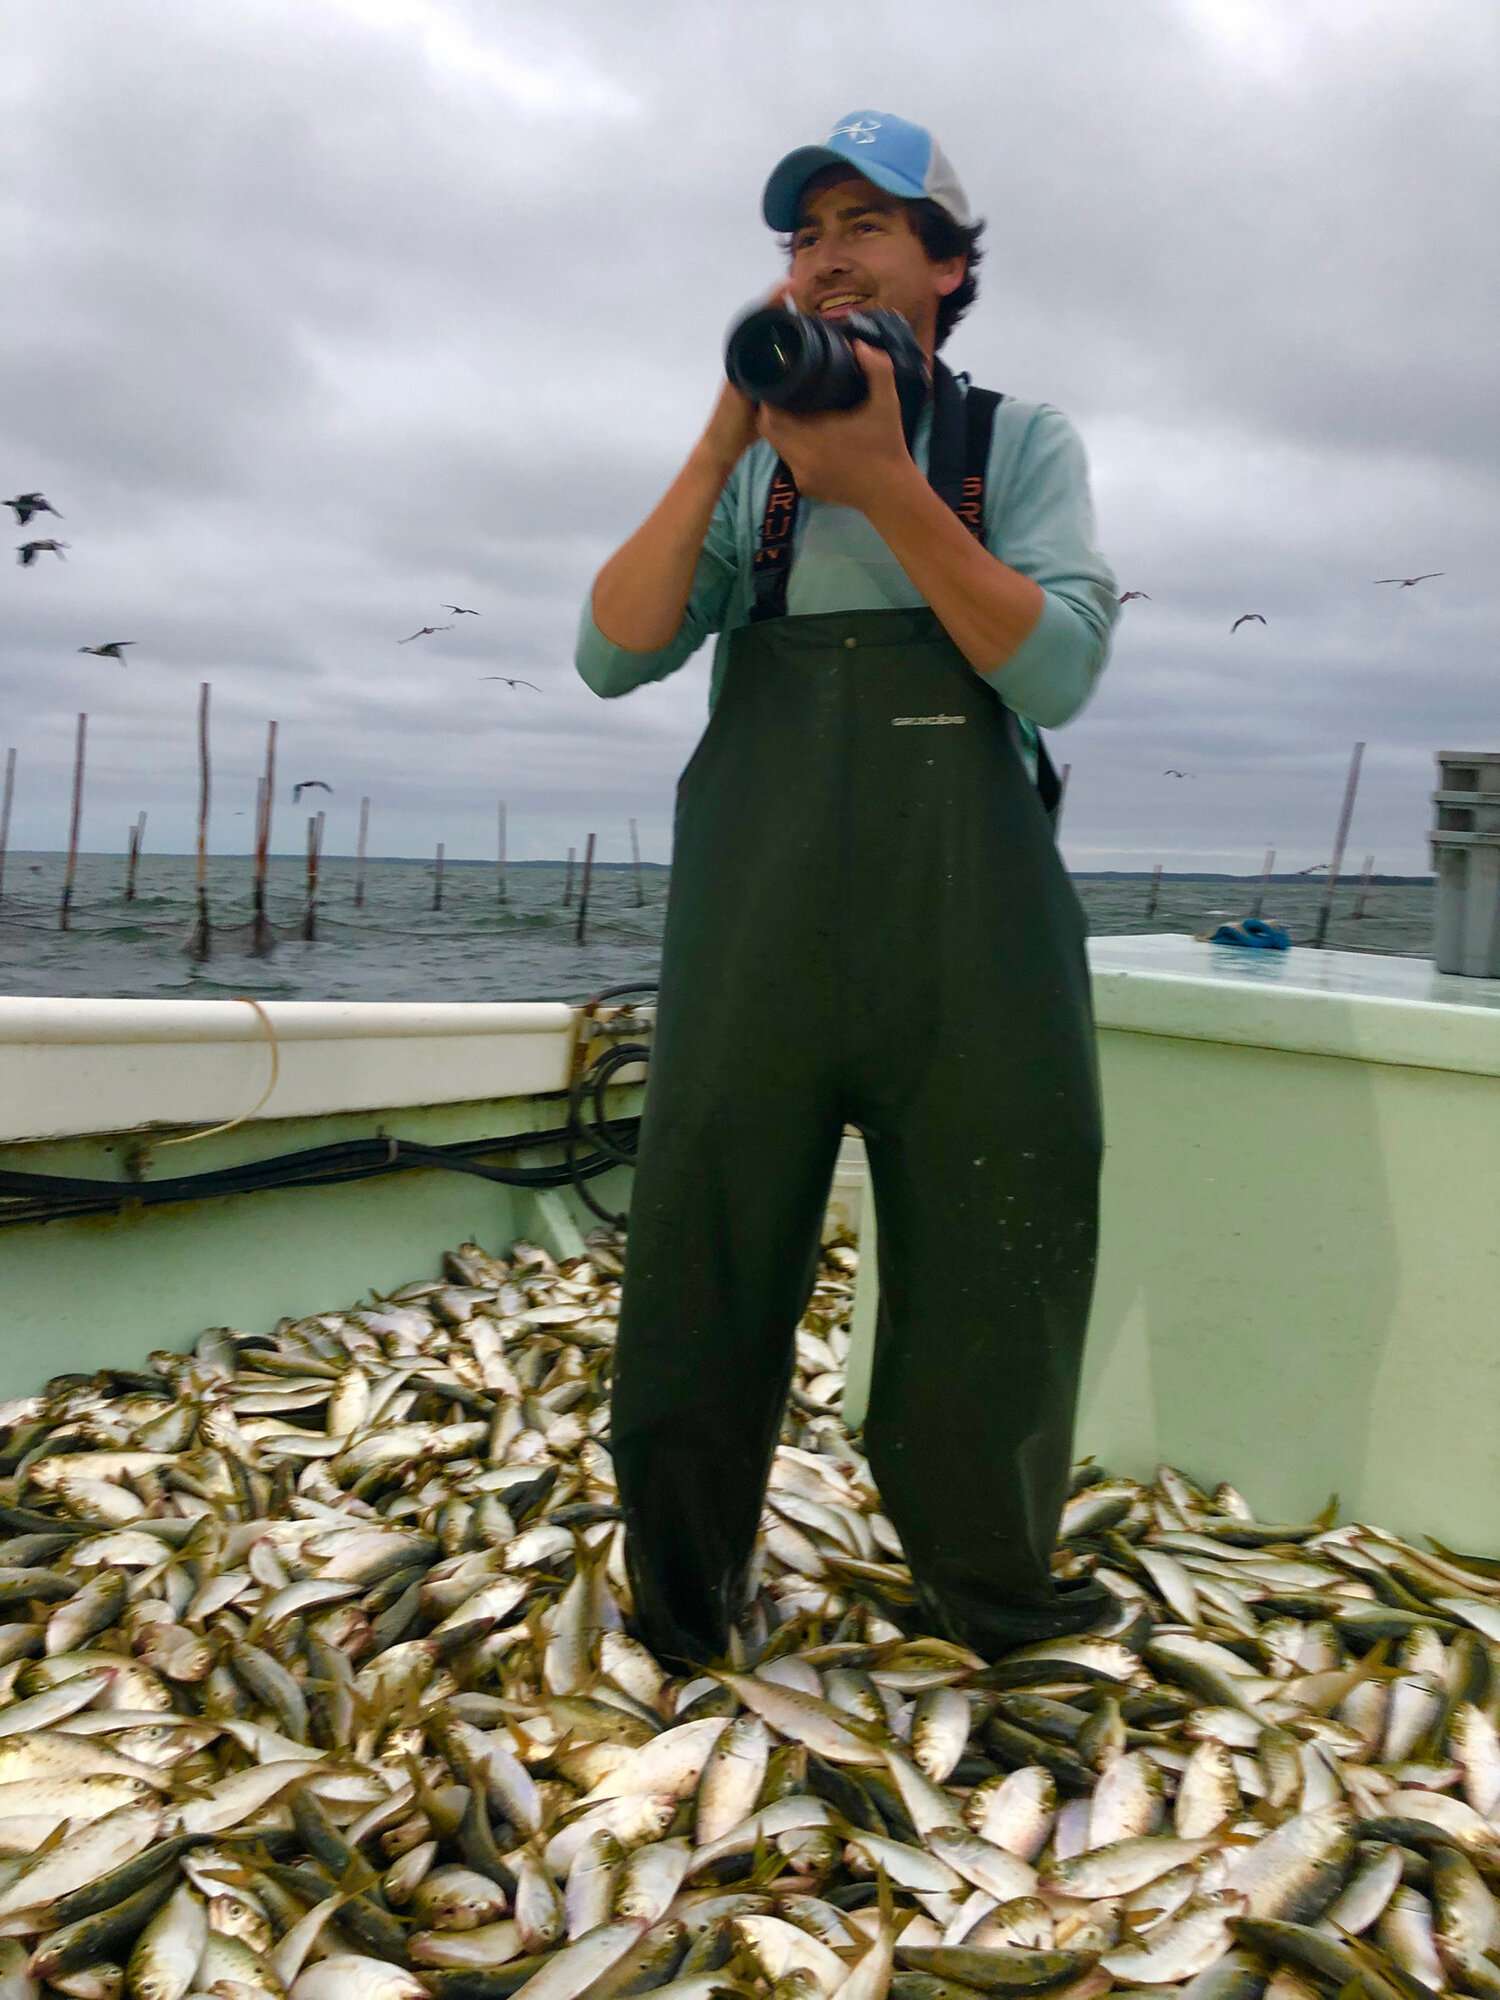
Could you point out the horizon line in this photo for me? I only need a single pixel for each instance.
(665, 867)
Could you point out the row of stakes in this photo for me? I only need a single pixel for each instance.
(263, 938)
(1258, 903)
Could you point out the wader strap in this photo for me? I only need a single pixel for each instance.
(952, 439)
(773, 555)
(958, 456)
(980, 406)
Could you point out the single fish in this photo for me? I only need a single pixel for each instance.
(999, 1971)
(1015, 1812)
(82, 1858)
(1207, 1794)
(1182, 1948)
(732, 1776)
(167, 1952)
(803, 1719)
(347, 1976)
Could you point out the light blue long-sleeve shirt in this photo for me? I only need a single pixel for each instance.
(1038, 519)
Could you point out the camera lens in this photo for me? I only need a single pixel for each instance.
(800, 363)
(767, 355)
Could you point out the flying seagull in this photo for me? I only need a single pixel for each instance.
(310, 785)
(1179, 774)
(461, 610)
(1406, 582)
(510, 683)
(27, 504)
(425, 632)
(1244, 619)
(27, 552)
(1125, 596)
(115, 650)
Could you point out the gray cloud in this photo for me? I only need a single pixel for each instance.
(333, 314)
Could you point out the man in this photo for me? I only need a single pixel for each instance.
(869, 924)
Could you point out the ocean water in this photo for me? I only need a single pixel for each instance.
(475, 947)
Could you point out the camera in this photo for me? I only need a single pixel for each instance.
(798, 362)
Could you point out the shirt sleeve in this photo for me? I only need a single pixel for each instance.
(1041, 523)
(614, 670)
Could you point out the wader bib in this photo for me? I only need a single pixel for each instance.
(868, 924)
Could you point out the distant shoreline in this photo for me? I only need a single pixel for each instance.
(1213, 875)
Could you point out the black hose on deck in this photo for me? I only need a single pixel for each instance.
(588, 1087)
(51, 1197)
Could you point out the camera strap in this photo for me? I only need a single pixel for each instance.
(958, 456)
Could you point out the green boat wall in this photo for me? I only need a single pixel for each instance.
(1299, 1284)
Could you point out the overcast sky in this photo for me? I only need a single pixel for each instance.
(323, 312)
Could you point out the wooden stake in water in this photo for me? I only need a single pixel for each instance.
(305, 928)
(1062, 797)
(1364, 887)
(201, 942)
(1265, 877)
(360, 852)
(568, 881)
(437, 880)
(309, 930)
(6, 795)
(583, 892)
(1154, 893)
(262, 937)
(72, 866)
(133, 855)
(500, 873)
(1346, 813)
(635, 856)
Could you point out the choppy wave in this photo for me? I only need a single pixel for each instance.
(477, 948)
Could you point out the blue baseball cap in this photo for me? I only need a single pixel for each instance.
(896, 155)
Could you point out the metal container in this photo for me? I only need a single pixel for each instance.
(1466, 861)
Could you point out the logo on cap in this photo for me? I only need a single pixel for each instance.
(861, 130)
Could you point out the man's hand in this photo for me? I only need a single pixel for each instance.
(851, 457)
(733, 427)
(730, 432)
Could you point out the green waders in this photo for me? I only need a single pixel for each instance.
(869, 924)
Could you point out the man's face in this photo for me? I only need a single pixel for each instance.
(854, 248)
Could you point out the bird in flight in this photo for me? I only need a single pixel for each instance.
(27, 552)
(461, 610)
(115, 650)
(310, 785)
(1179, 774)
(510, 683)
(1125, 596)
(27, 504)
(1245, 618)
(1406, 582)
(425, 632)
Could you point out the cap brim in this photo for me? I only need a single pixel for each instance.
(782, 201)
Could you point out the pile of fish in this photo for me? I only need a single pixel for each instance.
(316, 1680)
